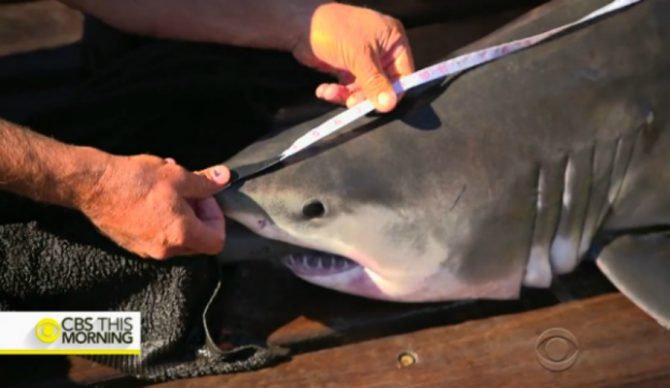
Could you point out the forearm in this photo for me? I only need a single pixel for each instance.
(46, 170)
(273, 24)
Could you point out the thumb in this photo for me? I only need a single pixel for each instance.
(375, 85)
(218, 174)
(205, 183)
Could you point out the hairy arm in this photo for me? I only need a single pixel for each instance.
(272, 24)
(363, 48)
(146, 204)
(46, 170)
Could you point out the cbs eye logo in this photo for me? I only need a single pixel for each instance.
(47, 330)
(557, 349)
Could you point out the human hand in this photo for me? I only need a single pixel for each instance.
(364, 48)
(156, 208)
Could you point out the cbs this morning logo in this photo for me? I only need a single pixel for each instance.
(86, 330)
(70, 332)
(47, 330)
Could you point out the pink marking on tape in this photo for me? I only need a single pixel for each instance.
(424, 74)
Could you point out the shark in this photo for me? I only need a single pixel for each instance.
(502, 177)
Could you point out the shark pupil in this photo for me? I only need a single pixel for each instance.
(314, 209)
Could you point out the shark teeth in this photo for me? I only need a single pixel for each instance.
(318, 264)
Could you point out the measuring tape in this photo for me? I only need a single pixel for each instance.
(431, 73)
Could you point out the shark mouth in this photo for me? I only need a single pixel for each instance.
(314, 263)
(334, 272)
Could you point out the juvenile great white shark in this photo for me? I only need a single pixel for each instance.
(501, 177)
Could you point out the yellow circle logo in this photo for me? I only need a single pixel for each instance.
(47, 330)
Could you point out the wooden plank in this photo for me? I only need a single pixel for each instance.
(28, 26)
(616, 344)
(288, 312)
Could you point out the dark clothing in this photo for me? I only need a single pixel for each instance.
(196, 103)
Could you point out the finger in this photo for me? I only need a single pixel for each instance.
(219, 174)
(196, 186)
(201, 238)
(403, 64)
(400, 60)
(355, 99)
(346, 78)
(320, 90)
(205, 183)
(209, 212)
(333, 93)
(396, 70)
(376, 87)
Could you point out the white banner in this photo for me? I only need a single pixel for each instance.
(70, 332)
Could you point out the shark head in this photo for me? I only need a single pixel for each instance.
(353, 234)
(375, 212)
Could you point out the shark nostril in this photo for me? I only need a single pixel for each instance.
(313, 209)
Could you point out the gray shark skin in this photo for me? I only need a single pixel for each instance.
(500, 177)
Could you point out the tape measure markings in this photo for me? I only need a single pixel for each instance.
(423, 76)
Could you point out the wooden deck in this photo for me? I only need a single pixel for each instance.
(612, 341)
(616, 344)
(340, 340)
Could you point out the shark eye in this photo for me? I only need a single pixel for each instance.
(313, 209)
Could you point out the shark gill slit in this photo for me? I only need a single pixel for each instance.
(603, 163)
(537, 266)
(595, 175)
(566, 199)
(550, 187)
(583, 216)
(588, 181)
(616, 166)
(628, 152)
(605, 205)
(564, 245)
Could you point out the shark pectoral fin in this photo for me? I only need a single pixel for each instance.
(639, 266)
